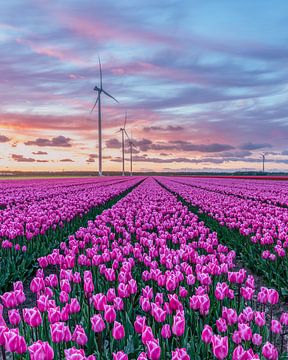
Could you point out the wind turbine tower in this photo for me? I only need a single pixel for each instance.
(131, 145)
(123, 133)
(263, 162)
(100, 91)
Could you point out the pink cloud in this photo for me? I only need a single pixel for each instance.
(54, 52)
(100, 30)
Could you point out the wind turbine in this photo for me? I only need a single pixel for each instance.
(99, 91)
(131, 145)
(123, 132)
(263, 162)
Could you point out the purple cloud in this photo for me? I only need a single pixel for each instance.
(21, 158)
(4, 139)
(58, 141)
(252, 146)
(39, 153)
(113, 144)
(66, 160)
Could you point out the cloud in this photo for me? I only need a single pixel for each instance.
(252, 146)
(92, 158)
(66, 160)
(42, 161)
(163, 128)
(4, 139)
(181, 145)
(205, 148)
(284, 152)
(176, 145)
(165, 154)
(113, 144)
(58, 141)
(196, 161)
(39, 153)
(21, 158)
(236, 153)
(143, 144)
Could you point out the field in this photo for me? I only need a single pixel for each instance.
(144, 268)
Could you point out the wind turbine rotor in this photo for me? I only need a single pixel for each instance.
(100, 73)
(112, 97)
(97, 99)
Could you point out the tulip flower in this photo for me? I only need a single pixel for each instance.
(109, 313)
(207, 334)
(97, 322)
(219, 346)
(178, 326)
(153, 349)
(41, 351)
(269, 351)
(120, 355)
(79, 336)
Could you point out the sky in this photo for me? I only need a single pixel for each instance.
(204, 84)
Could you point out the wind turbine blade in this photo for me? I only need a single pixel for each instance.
(95, 104)
(100, 70)
(105, 92)
(126, 134)
(116, 132)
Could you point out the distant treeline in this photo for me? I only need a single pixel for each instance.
(118, 173)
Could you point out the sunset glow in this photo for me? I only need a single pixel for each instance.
(204, 84)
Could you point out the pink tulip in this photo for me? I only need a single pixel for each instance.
(79, 336)
(32, 316)
(14, 342)
(284, 318)
(180, 354)
(221, 325)
(74, 306)
(37, 284)
(269, 351)
(74, 354)
(273, 296)
(41, 351)
(118, 304)
(257, 339)
(118, 331)
(14, 317)
(207, 334)
(60, 332)
(259, 318)
(139, 324)
(238, 353)
(178, 326)
(159, 314)
(230, 315)
(99, 301)
(43, 303)
(54, 314)
(9, 299)
(109, 313)
(220, 346)
(147, 334)
(111, 295)
(236, 337)
(142, 356)
(166, 331)
(276, 326)
(153, 349)
(120, 355)
(97, 322)
(245, 332)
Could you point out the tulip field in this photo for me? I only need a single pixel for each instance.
(144, 268)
